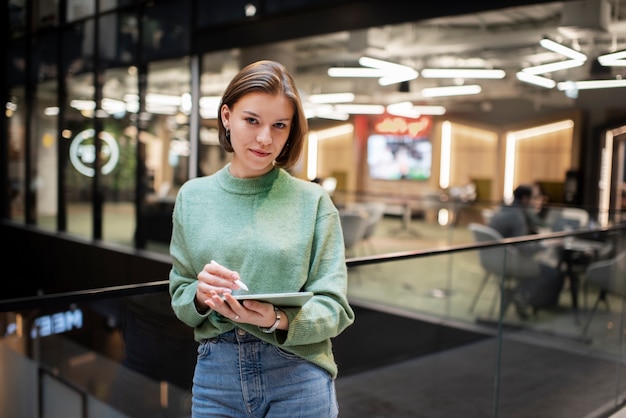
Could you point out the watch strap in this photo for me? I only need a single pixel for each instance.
(275, 325)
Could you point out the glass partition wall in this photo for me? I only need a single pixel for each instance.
(568, 359)
(17, 151)
(153, 108)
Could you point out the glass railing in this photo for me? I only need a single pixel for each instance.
(120, 352)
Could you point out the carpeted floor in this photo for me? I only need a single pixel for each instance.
(536, 381)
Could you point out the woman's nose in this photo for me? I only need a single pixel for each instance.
(264, 136)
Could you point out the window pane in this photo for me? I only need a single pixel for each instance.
(119, 149)
(17, 145)
(167, 146)
(118, 39)
(106, 5)
(78, 9)
(78, 132)
(45, 117)
(77, 51)
(45, 13)
(217, 70)
(213, 13)
(165, 30)
(17, 18)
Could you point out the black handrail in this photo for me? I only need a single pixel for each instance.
(45, 301)
(63, 298)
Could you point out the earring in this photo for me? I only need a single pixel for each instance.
(228, 134)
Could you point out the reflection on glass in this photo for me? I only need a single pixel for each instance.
(45, 155)
(211, 156)
(17, 19)
(78, 133)
(119, 153)
(77, 9)
(16, 152)
(165, 147)
(166, 29)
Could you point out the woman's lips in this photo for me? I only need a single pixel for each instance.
(260, 153)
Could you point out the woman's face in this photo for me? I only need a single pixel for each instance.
(259, 125)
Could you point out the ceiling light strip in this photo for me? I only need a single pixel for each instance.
(482, 73)
(562, 49)
(591, 84)
(615, 59)
(451, 90)
(360, 109)
(553, 66)
(332, 98)
(535, 79)
(382, 65)
(355, 72)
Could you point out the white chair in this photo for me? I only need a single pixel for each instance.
(609, 276)
(504, 263)
(353, 225)
(375, 212)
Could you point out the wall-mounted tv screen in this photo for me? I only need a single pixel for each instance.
(396, 157)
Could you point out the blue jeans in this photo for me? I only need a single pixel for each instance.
(237, 375)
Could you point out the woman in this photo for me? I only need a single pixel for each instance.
(277, 234)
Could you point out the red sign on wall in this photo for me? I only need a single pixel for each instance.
(397, 125)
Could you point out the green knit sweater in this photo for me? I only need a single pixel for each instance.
(281, 234)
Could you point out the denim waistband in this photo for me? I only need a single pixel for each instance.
(237, 335)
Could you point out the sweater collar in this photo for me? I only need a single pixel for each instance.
(251, 185)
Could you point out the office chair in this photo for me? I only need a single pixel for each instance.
(491, 259)
(353, 225)
(375, 212)
(609, 276)
(503, 263)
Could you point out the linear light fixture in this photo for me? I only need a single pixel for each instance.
(404, 109)
(430, 110)
(51, 111)
(615, 59)
(394, 73)
(562, 49)
(355, 72)
(387, 72)
(510, 151)
(605, 173)
(407, 109)
(485, 73)
(360, 109)
(331, 98)
(553, 66)
(325, 111)
(591, 84)
(451, 90)
(445, 161)
(535, 79)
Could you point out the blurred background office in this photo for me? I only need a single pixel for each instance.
(423, 119)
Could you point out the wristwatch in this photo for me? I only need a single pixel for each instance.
(276, 323)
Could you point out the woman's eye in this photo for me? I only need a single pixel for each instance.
(280, 125)
(251, 121)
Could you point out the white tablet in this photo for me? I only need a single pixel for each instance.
(279, 299)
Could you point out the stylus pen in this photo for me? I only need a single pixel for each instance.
(239, 283)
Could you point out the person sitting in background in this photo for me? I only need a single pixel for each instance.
(539, 280)
(536, 210)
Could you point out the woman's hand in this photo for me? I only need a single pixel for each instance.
(252, 312)
(214, 279)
